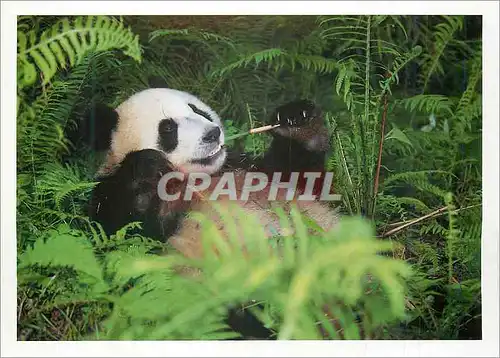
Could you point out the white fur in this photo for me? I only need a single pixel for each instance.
(137, 128)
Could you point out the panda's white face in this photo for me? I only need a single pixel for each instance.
(177, 123)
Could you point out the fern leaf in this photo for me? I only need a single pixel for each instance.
(268, 55)
(399, 63)
(398, 135)
(443, 34)
(340, 78)
(71, 41)
(190, 34)
(59, 182)
(469, 106)
(473, 79)
(65, 248)
(419, 180)
(430, 104)
(40, 135)
(317, 64)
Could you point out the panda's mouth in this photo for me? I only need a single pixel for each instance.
(214, 152)
(213, 155)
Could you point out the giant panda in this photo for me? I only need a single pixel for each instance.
(159, 130)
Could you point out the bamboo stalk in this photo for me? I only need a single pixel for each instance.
(379, 162)
(399, 228)
(254, 131)
(435, 215)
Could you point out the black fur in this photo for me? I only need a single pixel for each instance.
(246, 324)
(212, 135)
(200, 112)
(167, 135)
(287, 154)
(130, 194)
(296, 113)
(96, 127)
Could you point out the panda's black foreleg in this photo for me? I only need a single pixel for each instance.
(130, 194)
(299, 145)
(247, 325)
(289, 155)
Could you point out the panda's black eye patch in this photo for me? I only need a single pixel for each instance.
(167, 125)
(200, 112)
(167, 135)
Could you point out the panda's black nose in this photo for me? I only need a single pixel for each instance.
(212, 135)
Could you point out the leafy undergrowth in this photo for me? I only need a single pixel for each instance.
(142, 296)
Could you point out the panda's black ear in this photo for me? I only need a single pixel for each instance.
(157, 82)
(97, 126)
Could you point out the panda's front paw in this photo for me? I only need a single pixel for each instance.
(302, 121)
(145, 164)
(298, 113)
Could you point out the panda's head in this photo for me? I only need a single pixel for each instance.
(186, 130)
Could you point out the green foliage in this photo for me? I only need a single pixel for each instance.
(193, 34)
(47, 108)
(65, 41)
(421, 75)
(365, 57)
(435, 104)
(60, 249)
(42, 122)
(162, 305)
(443, 35)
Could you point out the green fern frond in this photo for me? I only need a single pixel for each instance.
(270, 56)
(399, 63)
(61, 183)
(58, 183)
(190, 34)
(345, 77)
(444, 33)
(469, 106)
(426, 253)
(432, 228)
(122, 267)
(317, 64)
(334, 26)
(71, 42)
(419, 180)
(417, 175)
(473, 79)
(262, 269)
(416, 204)
(437, 104)
(65, 248)
(468, 251)
(41, 124)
